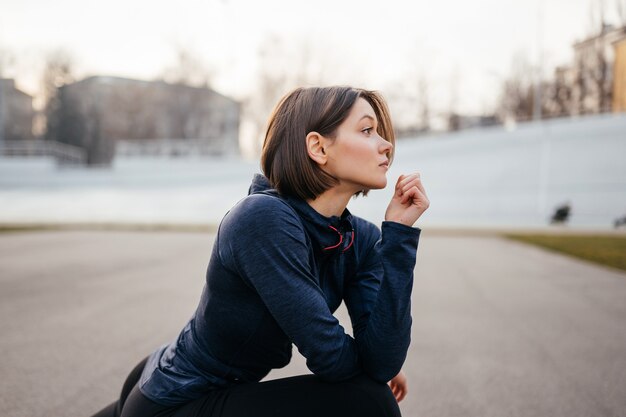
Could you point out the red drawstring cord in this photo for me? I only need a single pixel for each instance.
(340, 240)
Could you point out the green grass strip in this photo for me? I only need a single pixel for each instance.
(600, 249)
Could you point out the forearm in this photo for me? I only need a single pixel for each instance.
(383, 342)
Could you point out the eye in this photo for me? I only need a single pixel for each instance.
(367, 130)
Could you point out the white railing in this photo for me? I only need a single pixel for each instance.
(175, 147)
(62, 152)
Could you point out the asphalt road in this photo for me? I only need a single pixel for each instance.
(499, 328)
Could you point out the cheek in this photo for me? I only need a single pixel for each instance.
(360, 151)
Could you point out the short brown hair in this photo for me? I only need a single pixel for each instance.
(284, 158)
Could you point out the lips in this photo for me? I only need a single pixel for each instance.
(384, 164)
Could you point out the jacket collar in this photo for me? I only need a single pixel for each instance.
(325, 232)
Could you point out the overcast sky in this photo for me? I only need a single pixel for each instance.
(375, 44)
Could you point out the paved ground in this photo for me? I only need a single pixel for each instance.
(500, 328)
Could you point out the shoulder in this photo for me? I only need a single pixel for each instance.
(262, 202)
(258, 228)
(261, 212)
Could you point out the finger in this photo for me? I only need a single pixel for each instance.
(414, 186)
(418, 186)
(410, 185)
(402, 395)
(415, 182)
(411, 194)
(398, 191)
(409, 178)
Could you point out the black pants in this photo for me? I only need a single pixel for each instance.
(299, 396)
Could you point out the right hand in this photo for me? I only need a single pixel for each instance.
(409, 200)
(399, 386)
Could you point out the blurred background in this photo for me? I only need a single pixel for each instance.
(140, 115)
(140, 112)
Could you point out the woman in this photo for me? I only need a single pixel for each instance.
(284, 259)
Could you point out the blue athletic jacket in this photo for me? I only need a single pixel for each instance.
(277, 272)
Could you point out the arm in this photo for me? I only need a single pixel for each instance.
(379, 298)
(263, 241)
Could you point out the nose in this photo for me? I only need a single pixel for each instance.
(385, 147)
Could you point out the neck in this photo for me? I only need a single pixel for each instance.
(331, 202)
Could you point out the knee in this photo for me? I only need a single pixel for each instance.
(131, 380)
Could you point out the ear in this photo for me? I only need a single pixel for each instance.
(315, 145)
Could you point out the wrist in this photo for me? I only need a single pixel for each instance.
(402, 220)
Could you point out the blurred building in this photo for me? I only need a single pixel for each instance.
(592, 78)
(462, 122)
(16, 112)
(619, 76)
(594, 83)
(146, 117)
(559, 98)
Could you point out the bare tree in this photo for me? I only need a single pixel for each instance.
(189, 69)
(620, 8)
(600, 71)
(282, 67)
(72, 119)
(58, 71)
(66, 123)
(424, 103)
(594, 79)
(7, 60)
(271, 83)
(516, 98)
(453, 116)
(559, 94)
(585, 87)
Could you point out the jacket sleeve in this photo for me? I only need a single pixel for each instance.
(378, 299)
(264, 242)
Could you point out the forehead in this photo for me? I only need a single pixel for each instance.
(361, 108)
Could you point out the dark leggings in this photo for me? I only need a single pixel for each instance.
(301, 396)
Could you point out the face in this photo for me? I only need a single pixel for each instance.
(358, 157)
